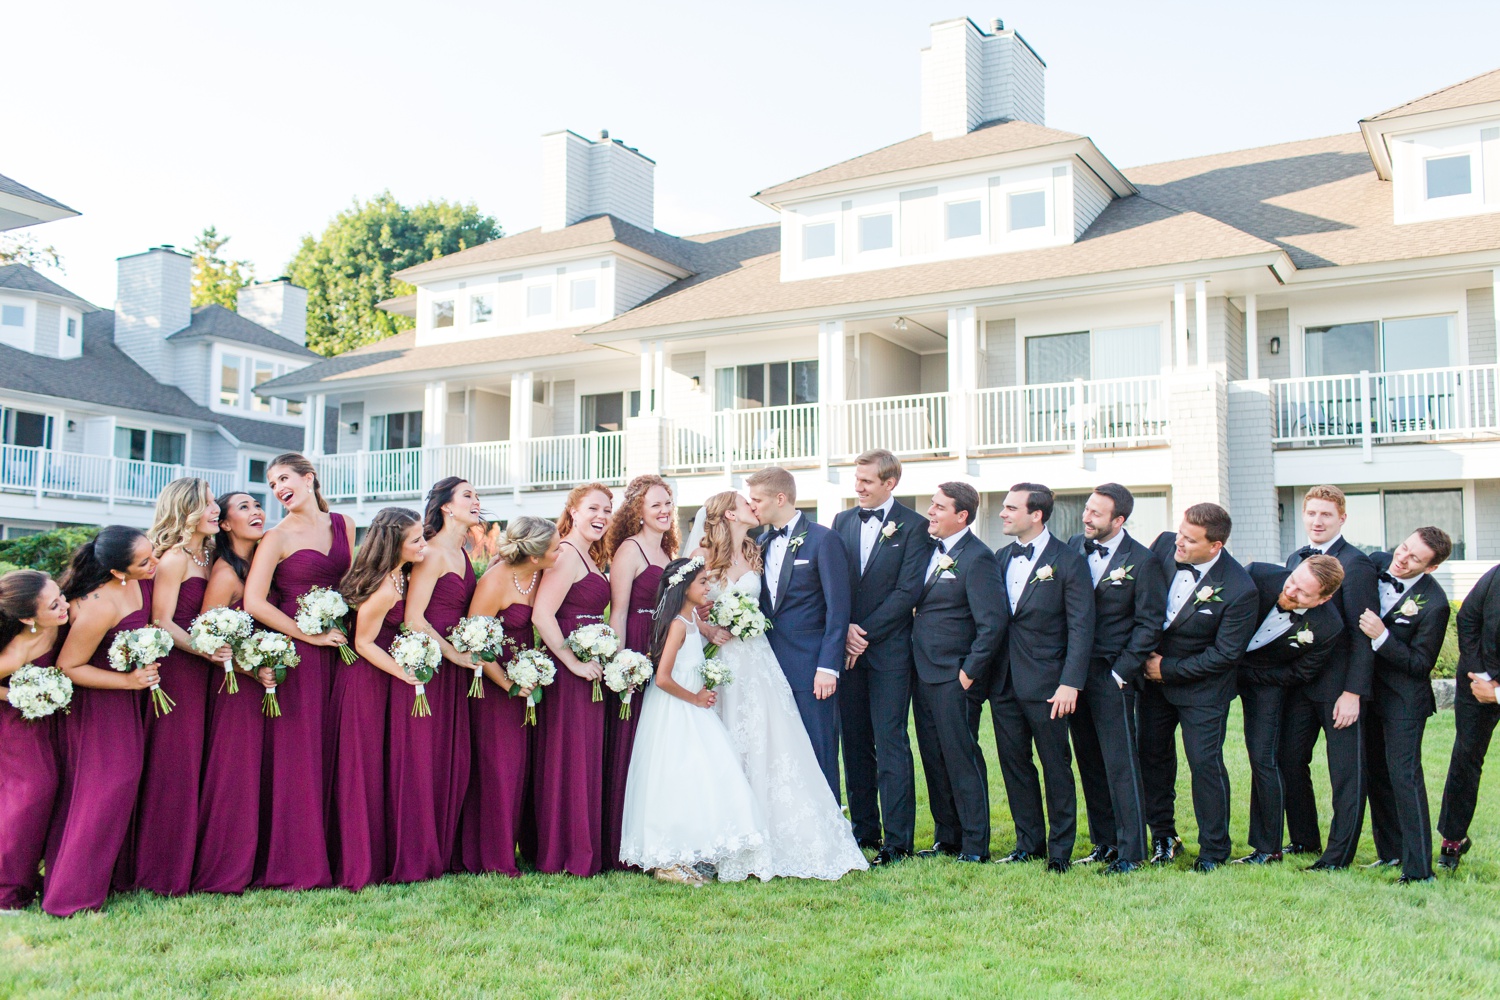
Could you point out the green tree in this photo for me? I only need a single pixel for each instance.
(30, 251)
(49, 551)
(349, 268)
(217, 281)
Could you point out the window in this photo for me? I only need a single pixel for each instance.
(1391, 345)
(442, 312)
(70, 328)
(1448, 176)
(875, 233)
(1341, 349)
(12, 315)
(963, 219)
(257, 477)
(817, 240)
(481, 308)
(581, 294)
(780, 383)
(14, 531)
(603, 412)
(26, 429)
(1422, 342)
(539, 300)
(293, 408)
(1384, 519)
(1028, 210)
(1061, 357)
(229, 380)
(264, 372)
(635, 402)
(139, 445)
(396, 430)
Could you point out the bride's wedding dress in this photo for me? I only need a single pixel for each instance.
(808, 836)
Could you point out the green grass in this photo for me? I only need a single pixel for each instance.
(925, 929)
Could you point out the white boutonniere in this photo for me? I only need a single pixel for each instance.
(945, 564)
(796, 543)
(1304, 636)
(1207, 594)
(1413, 606)
(890, 529)
(1043, 574)
(1121, 573)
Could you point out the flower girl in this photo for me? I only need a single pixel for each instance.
(687, 802)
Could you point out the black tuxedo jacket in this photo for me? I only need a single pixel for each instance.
(1404, 661)
(1353, 666)
(1202, 645)
(1051, 635)
(1128, 612)
(961, 617)
(883, 594)
(1286, 661)
(1478, 630)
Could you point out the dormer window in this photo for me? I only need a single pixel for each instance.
(963, 219)
(1028, 210)
(1448, 176)
(481, 308)
(539, 300)
(71, 328)
(876, 233)
(12, 315)
(581, 294)
(442, 313)
(817, 240)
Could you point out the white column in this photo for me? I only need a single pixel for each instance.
(1252, 338)
(1200, 302)
(314, 423)
(648, 377)
(963, 374)
(1179, 325)
(435, 415)
(658, 379)
(832, 387)
(520, 425)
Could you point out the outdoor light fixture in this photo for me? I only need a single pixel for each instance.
(900, 324)
(1275, 345)
(354, 427)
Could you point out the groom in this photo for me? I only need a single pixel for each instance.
(806, 597)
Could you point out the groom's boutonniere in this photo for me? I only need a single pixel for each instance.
(1043, 574)
(1413, 606)
(891, 527)
(946, 564)
(1207, 594)
(796, 543)
(1121, 573)
(1304, 636)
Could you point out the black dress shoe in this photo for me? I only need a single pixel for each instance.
(1452, 851)
(1324, 866)
(1205, 866)
(871, 843)
(1121, 867)
(1258, 858)
(1164, 850)
(1295, 848)
(1058, 865)
(1384, 863)
(1099, 855)
(973, 859)
(1017, 857)
(1408, 880)
(889, 856)
(937, 848)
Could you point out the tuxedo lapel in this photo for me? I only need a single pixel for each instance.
(1046, 557)
(850, 533)
(1190, 606)
(1418, 589)
(784, 579)
(1115, 561)
(881, 542)
(936, 573)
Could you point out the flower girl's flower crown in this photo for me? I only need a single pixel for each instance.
(693, 565)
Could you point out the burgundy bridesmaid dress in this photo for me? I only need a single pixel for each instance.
(492, 811)
(166, 819)
(101, 744)
(568, 754)
(295, 771)
(357, 721)
(229, 801)
(449, 695)
(619, 734)
(413, 841)
(28, 792)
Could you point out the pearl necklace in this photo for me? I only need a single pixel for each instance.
(399, 582)
(530, 587)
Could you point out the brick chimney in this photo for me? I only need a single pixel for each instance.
(153, 300)
(583, 177)
(971, 76)
(279, 306)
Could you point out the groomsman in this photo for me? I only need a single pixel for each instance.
(957, 629)
(1331, 702)
(1130, 600)
(1299, 631)
(1475, 713)
(888, 549)
(1210, 619)
(1042, 668)
(1407, 636)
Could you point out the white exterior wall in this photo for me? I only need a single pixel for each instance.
(635, 283)
(508, 293)
(970, 76)
(1480, 141)
(582, 178)
(1090, 197)
(1480, 303)
(153, 301)
(279, 306)
(887, 369)
(21, 337)
(48, 317)
(1252, 473)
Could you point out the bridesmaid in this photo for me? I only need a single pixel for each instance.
(442, 585)
(102, 740)
(32, 611)
(309, 548)
(166, 825)
(568, 762)
(491, 823)
(642, 539)
(376, 587)
(229, 802)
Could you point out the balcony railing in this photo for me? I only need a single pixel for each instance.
(1104, 413)
(767, 435)
(44, 472)
(908, 426)
(1373, 407)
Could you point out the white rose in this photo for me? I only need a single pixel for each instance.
(1118, 573)
(1410, 608)
(1045, 573)
(888, 530)
(1305, 636)
(1205, 592)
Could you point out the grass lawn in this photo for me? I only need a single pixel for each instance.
(925, 929)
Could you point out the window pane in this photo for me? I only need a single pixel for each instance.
(378, 432)
(29, 430)
(603, 412)
(1448, 176)
(1406, 512)
(481, 308)
(963, 219)
(1067, 514)
(724, 389)
(1417, 343)
(582, 294)
(168, 448)
(264, 372)
(804, 381)
(72, 330)
(1127, 352)
(1362, 528)
(1058, 358)
(1028, 210)
(293, 408)
(130, 443)
(817, 241)
(752, 386)
(635, 403)
(539, 300)
(780, 393)
(414, 429)
(257, 470)
(13, 315)
(229, 381)
(442, 312)
(875, 233)
(1346, 349)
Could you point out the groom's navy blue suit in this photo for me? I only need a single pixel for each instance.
(809, 627)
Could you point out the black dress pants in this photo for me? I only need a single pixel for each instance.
(1203, 731)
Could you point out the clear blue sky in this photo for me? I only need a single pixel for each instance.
(155, 119)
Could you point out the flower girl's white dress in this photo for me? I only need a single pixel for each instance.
(686, 799)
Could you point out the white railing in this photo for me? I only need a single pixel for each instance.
(909, 426)
(767, 435)
(557, 462)
(44, 472)
(1388, 406)
(1103, 413)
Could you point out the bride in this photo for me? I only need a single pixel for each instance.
(808, 834)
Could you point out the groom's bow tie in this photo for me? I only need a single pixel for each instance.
(1019, 551)
(866, 513)
(776, 533)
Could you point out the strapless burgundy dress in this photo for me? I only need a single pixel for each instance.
(449, 695)
(357, 726)
(500, 742)
(28, 791)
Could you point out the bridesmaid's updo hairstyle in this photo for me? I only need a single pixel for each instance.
(670, 593)
(442, 491)
(524, 538)
(112, 549)
(299, 464)
(179, 508)
(20, 593)
(378, 554)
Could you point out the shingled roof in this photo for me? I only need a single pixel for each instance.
(597, 230)
(225, 324)
(1481, 89)
(20, 278)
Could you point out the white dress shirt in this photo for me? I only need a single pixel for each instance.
(1099, 561)
(1323, 547)
(1275, 623)
(776, 555)
(1018, 573)
(1184, 585)
(944, 545)
(1388, 600)
(869, 532)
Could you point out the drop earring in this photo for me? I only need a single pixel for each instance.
(33, 628)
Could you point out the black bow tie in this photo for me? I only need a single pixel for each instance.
(942, 547)
(1090, 547)
(1189, 567)
(866, 514)
(776, 533)
(1308, 551)
(1396, 584)
(1018, 551)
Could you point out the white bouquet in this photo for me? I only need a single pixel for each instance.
(135, 648)
(740, 614)
(37, 692)
(273, 651)
(217, 628)
(484, 639)
(597, 643)
(418, 654)
(321, 609)
(626, 674)
(530, 671)
(715, 673)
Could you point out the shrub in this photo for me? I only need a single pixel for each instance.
(1447, 661)
(48, 551)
